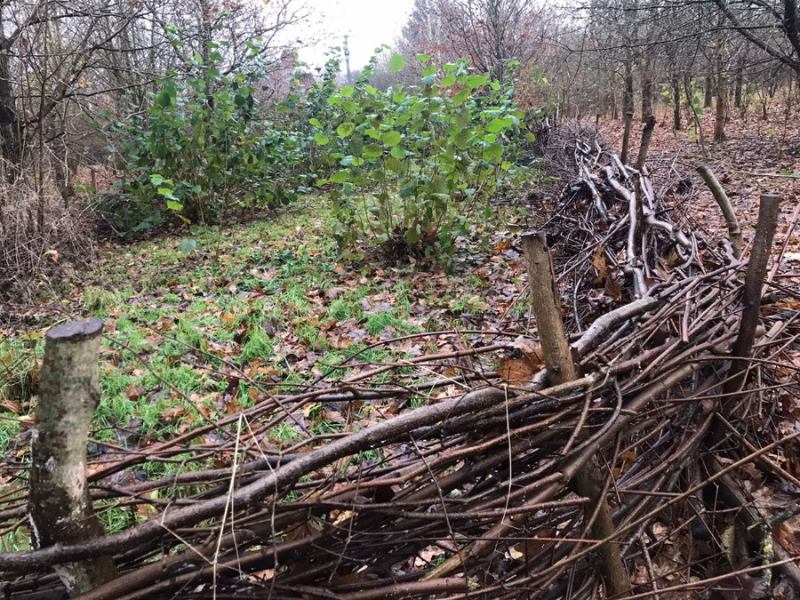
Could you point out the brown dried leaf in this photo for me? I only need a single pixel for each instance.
(600, 264)
(173, 412)
(613, 288)
(518, 371)
(532, 352)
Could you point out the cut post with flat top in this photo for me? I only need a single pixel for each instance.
(547, 309)
(59, 506)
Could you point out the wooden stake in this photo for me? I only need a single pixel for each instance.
(768, 213)
(59, 506)
(547, 309)
(560, 369)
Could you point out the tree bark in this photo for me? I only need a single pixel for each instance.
(59, 506)
(626, 138)
(734, 231)
(738, 85)
(709, 93)
(768, 213)
(647, 92)
(9, 123)
(722, 97)
(647, 133)
(676, 101)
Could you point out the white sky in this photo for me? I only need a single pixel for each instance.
(369, 23)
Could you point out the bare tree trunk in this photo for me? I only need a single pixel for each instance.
(626, 138)
(709, 93)
(738, 85)
(59, 505)
(676, 100)
(647, 133)
(722, 97)
(627, 107)
(10, 145)
(647, 91)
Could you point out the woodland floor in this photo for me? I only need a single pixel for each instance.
(268, 301)
(757, 156)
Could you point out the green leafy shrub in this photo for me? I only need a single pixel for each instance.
(203, 149)
(409, 168)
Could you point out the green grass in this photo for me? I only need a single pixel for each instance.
(252, 294)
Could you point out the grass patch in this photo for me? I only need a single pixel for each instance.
(254, 296)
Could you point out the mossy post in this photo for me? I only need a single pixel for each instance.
(59, 506)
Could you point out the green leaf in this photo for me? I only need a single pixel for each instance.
(473, 81)
(156, 179)
(530, 137)
(423, 57)
(371, 152)
(429, 71)
(188, 245)
(398, 153)
(493, 152)
(398, 97)
(346, 92)
(321, 139)
(506, 165)
(164, 99)
(449, 80)
(391, 138)
(315, 123)
(166, 192)
(394, 165)
(397, 62)
(461, 97)
(494, 125)
(345, 129)
(341, 177)
(428, 80)
(172, 205)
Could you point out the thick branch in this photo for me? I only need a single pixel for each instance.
(734, 231)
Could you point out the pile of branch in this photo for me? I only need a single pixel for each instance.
(550, 486)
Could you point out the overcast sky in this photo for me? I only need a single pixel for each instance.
(369, 24)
